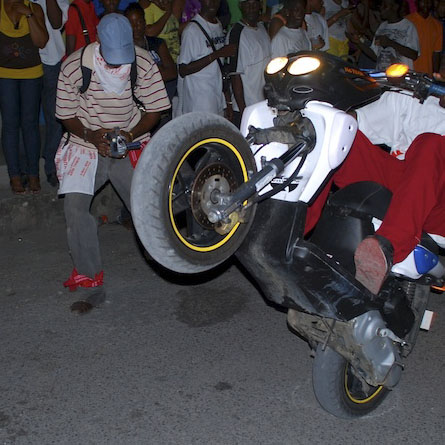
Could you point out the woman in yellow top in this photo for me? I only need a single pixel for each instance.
(162, 18)
(22, 33)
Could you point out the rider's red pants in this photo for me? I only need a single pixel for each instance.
(417, 184)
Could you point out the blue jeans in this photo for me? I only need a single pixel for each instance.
(19, 107)
(53, 128)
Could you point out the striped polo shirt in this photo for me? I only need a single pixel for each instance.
(97, 109)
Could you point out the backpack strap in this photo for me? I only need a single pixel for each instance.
(235, 35)
(86, 74)
(85, 32)
(133, 79)
(210, 41)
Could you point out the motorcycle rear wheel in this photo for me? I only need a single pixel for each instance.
(337, 388)
(189, 161)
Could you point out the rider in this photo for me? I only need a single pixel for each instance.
(417, 182)
(88, 117)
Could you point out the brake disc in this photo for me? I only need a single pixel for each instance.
(211, 182)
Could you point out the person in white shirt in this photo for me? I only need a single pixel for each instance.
(253, 54)
(56, 14)
(200, 86)
(292, 38)
(317, 26)
(396, 39)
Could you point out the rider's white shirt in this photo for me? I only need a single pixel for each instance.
(288, 40)
(397, 119)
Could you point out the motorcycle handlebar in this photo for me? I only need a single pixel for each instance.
(436, 90)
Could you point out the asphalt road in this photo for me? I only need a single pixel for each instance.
(168, 361)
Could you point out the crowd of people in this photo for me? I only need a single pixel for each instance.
(135, 65)
(190, 40)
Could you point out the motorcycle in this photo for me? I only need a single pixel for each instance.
(203, 191)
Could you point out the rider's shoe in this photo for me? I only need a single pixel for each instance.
(373, 261)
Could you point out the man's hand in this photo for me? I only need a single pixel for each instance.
(19, 6)
(227, 50)
(99, 139)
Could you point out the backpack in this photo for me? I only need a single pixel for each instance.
(86, 79)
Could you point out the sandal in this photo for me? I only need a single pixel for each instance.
(34, 184)
(16, 185)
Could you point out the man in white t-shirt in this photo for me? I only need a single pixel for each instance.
(396, 39)
(253, 54)
(417, 183)
(291, 37)
(317, 26)
(200, 85)
(56, 14)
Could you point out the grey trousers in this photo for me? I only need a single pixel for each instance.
(81, 226)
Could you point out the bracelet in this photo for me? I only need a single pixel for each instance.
(131, 135)
(229, 103)
(85, 133)
(28, 16)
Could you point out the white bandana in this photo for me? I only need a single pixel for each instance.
(113, 80)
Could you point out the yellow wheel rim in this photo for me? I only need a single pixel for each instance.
(360, 401)
(170, 196)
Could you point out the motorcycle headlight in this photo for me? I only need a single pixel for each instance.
(397, 70)
(276, 65)
(303, 65)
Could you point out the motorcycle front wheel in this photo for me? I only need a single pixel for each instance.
(339, 390)
(188, 163)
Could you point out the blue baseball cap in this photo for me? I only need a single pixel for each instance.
(116, 39)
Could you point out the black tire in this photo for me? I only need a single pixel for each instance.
(187, 159)
(337, 388)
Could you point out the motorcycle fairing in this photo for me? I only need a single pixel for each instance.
(335, 133)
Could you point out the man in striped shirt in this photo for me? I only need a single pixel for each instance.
(83, 160)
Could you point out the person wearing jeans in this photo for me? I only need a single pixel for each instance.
(56, 14)
(22, 32)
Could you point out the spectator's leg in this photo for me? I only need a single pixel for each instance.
(30, 94)
(53, 129)
(10, 112)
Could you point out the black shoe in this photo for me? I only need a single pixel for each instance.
(94, 297)
(52, 180)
